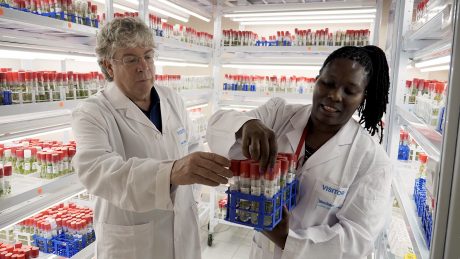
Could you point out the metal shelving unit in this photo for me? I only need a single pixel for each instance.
(286, 56)
(424, 41)
(29, 32)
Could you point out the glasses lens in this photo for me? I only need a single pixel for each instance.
(130, 60)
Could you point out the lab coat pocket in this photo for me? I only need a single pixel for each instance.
(117, 241)
(328, 197)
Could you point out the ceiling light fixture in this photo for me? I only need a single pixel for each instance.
(287, 67)
(180, 64)
(305, 13)
(173, 5)
(437, 68)
(151, 8)
(124, 8)
(329, 21)
(433, 62)
(171, 59)
(177, 17)
(319, 17)
(134, 2)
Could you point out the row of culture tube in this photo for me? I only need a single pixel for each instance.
(249, 179)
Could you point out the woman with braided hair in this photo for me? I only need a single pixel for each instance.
(344, 174)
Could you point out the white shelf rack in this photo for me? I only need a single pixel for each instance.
(176, 50)
(27, 108)
(30, 31)
(427, 137)
(32, 195)
(288, 55)
(281, 50)
(28, 119)
(437, 49)
(255, 99)
(170, 43)
(435, 29)
(196, 97)
(32, 118)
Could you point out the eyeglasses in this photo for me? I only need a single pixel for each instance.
(132, 60)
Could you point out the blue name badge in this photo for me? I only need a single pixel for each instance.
(330, 196)
(181, 136)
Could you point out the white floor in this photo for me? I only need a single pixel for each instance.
(229, 243)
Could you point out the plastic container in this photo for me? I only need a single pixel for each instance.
(7, 175)
(256, 190)
(235, 180)
(1, 181)
(264, 212)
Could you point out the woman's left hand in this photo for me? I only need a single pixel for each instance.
(280, 233)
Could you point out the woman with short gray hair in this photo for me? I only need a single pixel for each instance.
(133, 156)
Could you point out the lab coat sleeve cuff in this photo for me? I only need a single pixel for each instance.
(163, 186)
(172, 191)
(291, 245)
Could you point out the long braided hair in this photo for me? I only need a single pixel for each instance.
(375, 101)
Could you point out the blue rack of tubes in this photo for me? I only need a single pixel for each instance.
(260, 212)
(423, 210)
(62, 244)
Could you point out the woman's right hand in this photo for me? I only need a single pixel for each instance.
(259, 143)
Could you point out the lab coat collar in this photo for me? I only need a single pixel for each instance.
(330, 149)
(116, 97)
(334, 146)
(298, 122)
(121, 102)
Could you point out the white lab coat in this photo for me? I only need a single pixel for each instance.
(344, 186)
(126, 163)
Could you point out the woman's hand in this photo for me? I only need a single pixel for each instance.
(280, 233)
(259, 143)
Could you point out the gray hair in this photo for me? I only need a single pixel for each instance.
(121, 32)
